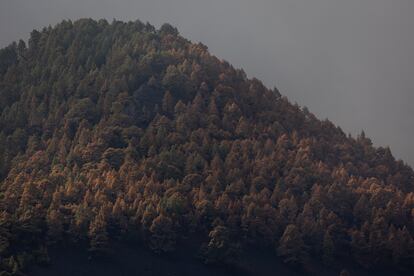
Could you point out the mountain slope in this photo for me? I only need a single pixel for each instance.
(119, 131)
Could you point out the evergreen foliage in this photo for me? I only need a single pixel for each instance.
(114, 128)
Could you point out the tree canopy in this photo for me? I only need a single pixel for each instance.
(111, 130)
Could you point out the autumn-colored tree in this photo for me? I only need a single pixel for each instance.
(221, 247)
(168, 103)
(291, 246)
(163, 237)
(5, 234)
(98, 234)
(55, 225)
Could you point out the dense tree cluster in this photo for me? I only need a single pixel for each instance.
(119, 130)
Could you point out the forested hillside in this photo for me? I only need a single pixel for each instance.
(121, 131)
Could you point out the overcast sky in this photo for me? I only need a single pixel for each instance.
(351, 61)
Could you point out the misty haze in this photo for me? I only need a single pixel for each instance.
(226, 137)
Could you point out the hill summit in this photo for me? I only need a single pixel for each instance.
(121, 131)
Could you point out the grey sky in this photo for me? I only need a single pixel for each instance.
(350, 61)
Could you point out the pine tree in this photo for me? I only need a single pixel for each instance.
(168, 103)
(291, 246)
(163, 236)
(5, 234)
(328, 249)
(221, 248)
(98, 235)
